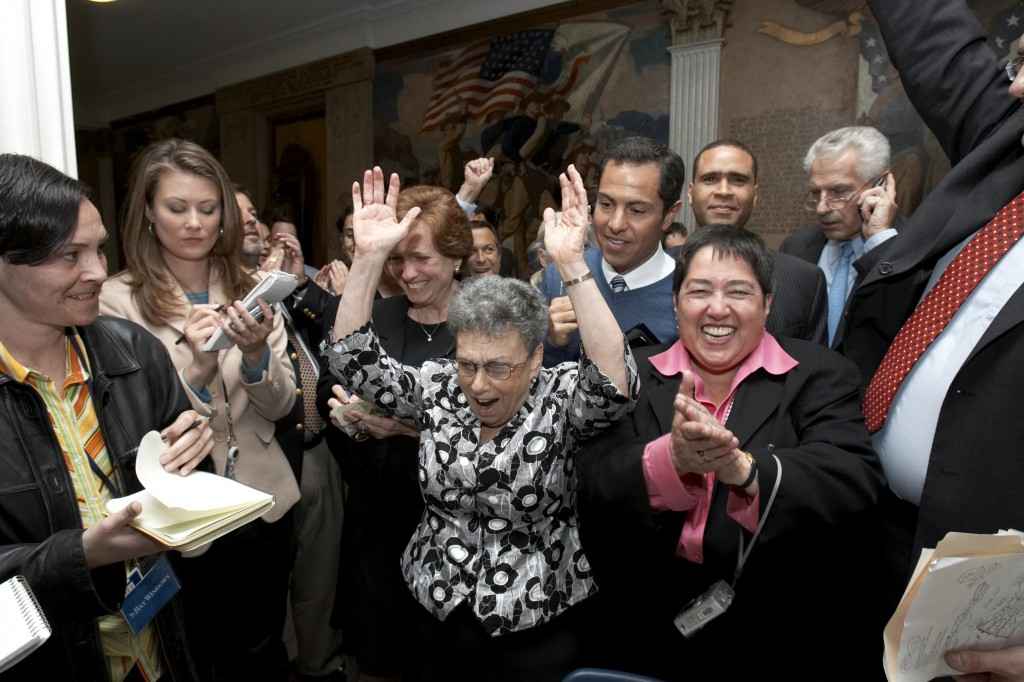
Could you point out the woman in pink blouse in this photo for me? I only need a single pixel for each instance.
(745, 470)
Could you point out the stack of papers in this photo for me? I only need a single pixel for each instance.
(967, 593)
(187, 512)
(273, 288)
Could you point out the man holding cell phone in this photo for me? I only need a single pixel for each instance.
(852, 193)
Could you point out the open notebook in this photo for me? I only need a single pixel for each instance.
(187, 512)
(23, 626)
(273, 288)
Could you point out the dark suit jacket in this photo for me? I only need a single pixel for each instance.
(805, 243)
(831, 479)
(383, 503)
(957, 84)
(800, 305)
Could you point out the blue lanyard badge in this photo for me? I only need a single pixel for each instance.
(146, 596)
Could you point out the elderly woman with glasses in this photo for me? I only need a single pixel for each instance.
(496, 561)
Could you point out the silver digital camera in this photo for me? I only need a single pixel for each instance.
(704, 608)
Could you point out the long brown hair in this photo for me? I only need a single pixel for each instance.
(152, 283)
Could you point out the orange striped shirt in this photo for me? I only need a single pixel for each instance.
(76, 426)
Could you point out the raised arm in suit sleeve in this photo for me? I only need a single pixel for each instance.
(948, 69)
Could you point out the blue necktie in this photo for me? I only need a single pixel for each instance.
(618, 284)
(837, 291)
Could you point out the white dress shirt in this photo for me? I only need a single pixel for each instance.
(659, 266)
(904, 444)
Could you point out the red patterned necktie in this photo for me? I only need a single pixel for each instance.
(940, 305)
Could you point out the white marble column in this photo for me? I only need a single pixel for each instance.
(36, 116)
(694, 104)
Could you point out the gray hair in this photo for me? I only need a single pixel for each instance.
(492, 305)
(872, 149)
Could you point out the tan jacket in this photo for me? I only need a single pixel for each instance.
(254, 407)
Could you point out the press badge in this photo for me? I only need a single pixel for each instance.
(704, 609)
(147, 596)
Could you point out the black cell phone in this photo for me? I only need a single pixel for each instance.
(640, 336)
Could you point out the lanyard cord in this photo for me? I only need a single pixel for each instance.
(232, 458)
(114, 489)
(743, 555)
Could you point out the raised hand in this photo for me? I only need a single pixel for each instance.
(477, 174)
(565, 232)
(878, 207)
(337, 276)
(374, 219)
(292, 262)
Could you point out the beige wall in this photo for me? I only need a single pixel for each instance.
(779, 98)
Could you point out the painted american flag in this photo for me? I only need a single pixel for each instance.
(488, 75)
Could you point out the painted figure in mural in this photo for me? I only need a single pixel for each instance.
(852, 193)
(885, 105)
(723, 193)
(449, 150)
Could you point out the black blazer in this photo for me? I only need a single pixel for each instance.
(383, 503)
(957, 84)
(831, 479)
(805, 243)
(800, 305)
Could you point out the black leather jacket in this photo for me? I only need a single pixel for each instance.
(134, 389)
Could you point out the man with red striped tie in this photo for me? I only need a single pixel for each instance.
(936, 321)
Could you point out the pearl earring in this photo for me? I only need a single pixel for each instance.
(151, 228)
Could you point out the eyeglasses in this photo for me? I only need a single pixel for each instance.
(837, 201)
(499, 371)
(1013, 67)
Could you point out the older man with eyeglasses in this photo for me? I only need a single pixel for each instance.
(853, 195)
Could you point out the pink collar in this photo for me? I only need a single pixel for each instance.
(768, 356)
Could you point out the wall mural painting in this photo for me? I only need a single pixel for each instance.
(918, 162)
(535, 100)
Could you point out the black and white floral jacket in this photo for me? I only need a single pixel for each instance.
(499, 530)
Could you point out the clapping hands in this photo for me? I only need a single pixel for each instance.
(700, 444)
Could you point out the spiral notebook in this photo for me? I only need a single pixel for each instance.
(23, 626)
